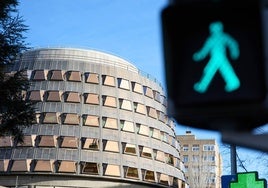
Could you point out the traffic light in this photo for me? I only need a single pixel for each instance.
(214, 63)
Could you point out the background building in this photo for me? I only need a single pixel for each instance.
(202, 161)
(100, 122)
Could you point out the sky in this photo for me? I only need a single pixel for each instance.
(130, 29)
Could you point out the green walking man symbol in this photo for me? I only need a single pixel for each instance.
(216, 45)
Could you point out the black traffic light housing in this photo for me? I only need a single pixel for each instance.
(186, 28)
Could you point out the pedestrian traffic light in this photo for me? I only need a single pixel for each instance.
(214, 63)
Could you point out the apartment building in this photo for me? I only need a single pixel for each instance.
(202, 161)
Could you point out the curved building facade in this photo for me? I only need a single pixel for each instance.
(99, 123)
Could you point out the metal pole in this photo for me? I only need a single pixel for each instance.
(233, 159)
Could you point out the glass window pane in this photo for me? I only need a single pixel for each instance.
(92, 78)
(6, 141)
(132, 173)
(57, 75)
(110, 123)
(91, 120)
(4, 165)
(112, 170)
(74, 76)
(67, 166)
(108, 80)
(73, 97)
(44, 166)
(92, 98)
(91, 143)
(72, 119)
(21, 165)
(54, 96)
(122, 83)
(90, 168)
(51, 117)
(69, 142)
(111, 146)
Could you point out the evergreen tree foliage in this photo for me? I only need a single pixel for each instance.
(16, 112)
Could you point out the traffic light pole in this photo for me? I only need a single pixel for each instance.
(233, 159)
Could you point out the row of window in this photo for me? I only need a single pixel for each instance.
(91, 144)
(197, 158)
(61, 166)
(106, 122)
(93, 78)
(196, 147)
(94, 99)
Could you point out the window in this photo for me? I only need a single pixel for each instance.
(195, 158)
(151, 112)
(40, 75)
(127, 126)
(160, 156)
(72, 97)
(74, 76)
(156, 96)
(44, 166)
(132, 173)
(47, 141)
(90, 143)
(51, 117)
(110, 123)
(143, 129)
(6, 141)
(111, 170)
(21, 165)
(54, 96)
(108, 80)
(148, 91)
(185, 148)
(136, 87)
(164, 179)
(69, 142)
(146, 152)
(185, 158)
(90, 168)
(67, 166)
(149, 175)
(123, 84)
(139, 108)
(111, 146)
(28, 141)
(209, 158)
(92, 78)
(108, 101)
(208, 147)
(4, 165)
(170, 159)
(129, 148)
(90, 120)
(125, 104)
(56, 75)
(161, 116)
(91, 98)
(72, 119)
(195, 147)
(36, 95)
(156, 134)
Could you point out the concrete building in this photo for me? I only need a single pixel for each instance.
(202, 160)
(100, 122)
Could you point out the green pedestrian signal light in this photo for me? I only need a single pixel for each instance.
(215, 64)
(248, 180)
(216, 45)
